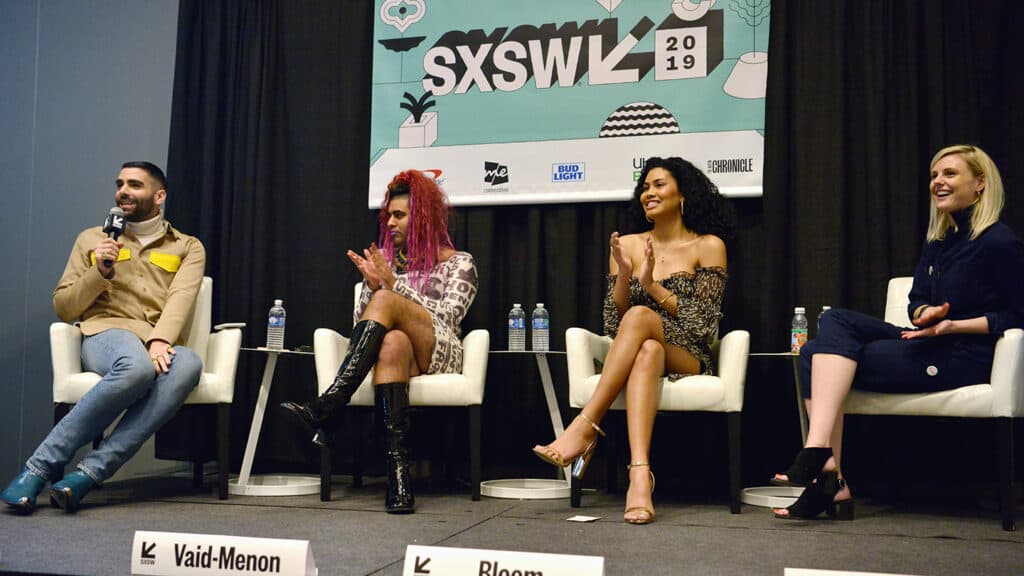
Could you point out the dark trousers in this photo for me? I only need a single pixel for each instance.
(886, 363)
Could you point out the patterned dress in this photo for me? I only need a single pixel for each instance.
(450, 290)
(699, 307)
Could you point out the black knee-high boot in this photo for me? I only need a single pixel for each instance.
(392, 404)
(364, 346)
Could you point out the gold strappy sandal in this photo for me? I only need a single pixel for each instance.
(580, 463)
(640, 514)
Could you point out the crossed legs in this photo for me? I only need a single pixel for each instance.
(637, 360)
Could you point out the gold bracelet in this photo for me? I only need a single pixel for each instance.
(662, 301)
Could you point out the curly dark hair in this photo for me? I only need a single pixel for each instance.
(706, 210)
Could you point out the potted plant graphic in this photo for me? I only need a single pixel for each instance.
(420, 128)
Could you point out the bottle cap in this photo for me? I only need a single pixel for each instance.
(540, 304)
(517, 305)
(799, 310)
(278, 302)
(823, 308)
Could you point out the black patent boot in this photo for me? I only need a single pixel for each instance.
(392, 403)
(364, 347)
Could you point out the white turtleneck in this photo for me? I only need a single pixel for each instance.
(148, 230)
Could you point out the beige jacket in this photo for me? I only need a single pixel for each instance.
(151, 292)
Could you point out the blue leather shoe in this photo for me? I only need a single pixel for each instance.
(22, 491)
(68, 493)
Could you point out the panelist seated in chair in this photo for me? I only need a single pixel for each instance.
(968, 289)
(417, 290)
(662, 308)
(133, 297)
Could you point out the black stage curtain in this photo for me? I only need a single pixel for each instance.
(268, 165)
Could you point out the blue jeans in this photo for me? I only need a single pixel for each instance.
(129, 384)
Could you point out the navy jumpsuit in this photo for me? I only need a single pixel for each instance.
(980, 277)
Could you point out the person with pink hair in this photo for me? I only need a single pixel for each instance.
(417, 288)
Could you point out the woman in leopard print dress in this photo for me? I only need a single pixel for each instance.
(664, 298)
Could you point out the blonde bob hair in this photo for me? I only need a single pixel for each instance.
(990, 201)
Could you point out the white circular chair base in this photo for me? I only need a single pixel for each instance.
(276, 485)
(770, 496)
(525, 488)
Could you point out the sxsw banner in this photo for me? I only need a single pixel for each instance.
(532, 101)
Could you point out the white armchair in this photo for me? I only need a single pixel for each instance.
(1002, 399)
(437, 390)
(218, 351)
(720, 393)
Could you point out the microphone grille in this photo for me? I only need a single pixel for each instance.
(116, 210)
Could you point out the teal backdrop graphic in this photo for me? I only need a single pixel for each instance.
(539, 101)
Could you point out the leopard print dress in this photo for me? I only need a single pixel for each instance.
(447, 296)
(699, 308)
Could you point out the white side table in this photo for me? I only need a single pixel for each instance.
(534, 488)
(269, 484)
(780, 496)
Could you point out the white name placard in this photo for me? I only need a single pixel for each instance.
(441, 561)
(178, 553)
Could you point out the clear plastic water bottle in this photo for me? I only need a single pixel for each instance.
(275, 326)
(798, 334)
(517, 328)
(817, 327)
(541, 328)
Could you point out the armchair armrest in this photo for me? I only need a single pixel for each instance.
(222, 351)
(1008, 375)
(733, 353)
(582, 348)
(329, 349)
(65, 351)
(475, 348)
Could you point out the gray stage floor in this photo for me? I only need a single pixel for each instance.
(353, 535)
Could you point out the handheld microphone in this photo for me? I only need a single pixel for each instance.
(114, 225)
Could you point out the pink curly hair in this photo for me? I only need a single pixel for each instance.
(428, 224)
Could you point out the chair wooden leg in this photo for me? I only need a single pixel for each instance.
(474, 451)
(1004, 454)
(325, 474)
(223, 448)
(615, 445)
(734, 461)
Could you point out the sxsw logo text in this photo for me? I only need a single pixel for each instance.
(495, 174)
(569, 172)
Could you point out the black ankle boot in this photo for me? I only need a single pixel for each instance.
(392, 403)
(364, 346)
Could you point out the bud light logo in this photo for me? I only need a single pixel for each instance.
(569, 172)
(495, 174)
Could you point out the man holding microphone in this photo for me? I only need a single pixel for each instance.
(132, 295)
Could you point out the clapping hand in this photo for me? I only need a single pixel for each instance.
(374, 267)
(646, 275)
(623, 261)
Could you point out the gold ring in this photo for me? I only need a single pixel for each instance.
(154, 358)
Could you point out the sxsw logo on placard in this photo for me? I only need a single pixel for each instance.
(147, 556)
(495, 174)
(569, 172)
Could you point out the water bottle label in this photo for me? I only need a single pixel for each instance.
(275, 322)
(798, 337)
(517, 323)
(540, 323)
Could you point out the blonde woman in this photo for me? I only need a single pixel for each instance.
(968, 289)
